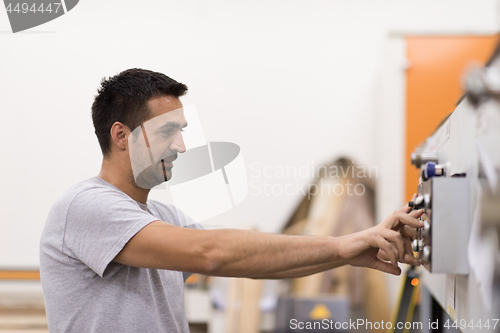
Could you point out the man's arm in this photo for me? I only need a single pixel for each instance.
(237, 253)
(224, 252)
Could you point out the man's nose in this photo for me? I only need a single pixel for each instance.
(178, 144)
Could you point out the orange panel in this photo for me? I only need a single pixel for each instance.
(433, 85)
(19, 275)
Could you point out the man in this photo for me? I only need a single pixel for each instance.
(112, 261)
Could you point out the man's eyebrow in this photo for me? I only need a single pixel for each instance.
(171, 124)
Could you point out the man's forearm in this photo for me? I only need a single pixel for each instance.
(299, 272)
(262, 255)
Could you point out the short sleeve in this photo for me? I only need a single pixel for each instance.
(99, 223)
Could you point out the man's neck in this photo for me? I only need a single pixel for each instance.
(122, 178)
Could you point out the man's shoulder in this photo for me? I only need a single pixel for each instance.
(80, 187)
(169, 213)
(161, 206)
(77, 195)
(89, 190)
(73, 191)
(164, 212)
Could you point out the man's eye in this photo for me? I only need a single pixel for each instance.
(166, 133)
(170, 132)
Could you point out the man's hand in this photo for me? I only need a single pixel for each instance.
(390, 240)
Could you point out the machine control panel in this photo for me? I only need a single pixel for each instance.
(441, 245)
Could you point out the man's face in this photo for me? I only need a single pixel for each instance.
(155, 144)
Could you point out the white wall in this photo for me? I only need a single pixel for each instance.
(292, 82)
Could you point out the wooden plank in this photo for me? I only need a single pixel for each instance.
(251, 291)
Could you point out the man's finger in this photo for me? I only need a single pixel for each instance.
(416, 213)
(411, 260)
(382, 243)
(408, 248)
(410, 219)
(386, 267)
(409, 232)
(395, 238)
(382, 255)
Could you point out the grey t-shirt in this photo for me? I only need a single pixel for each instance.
(84, 290)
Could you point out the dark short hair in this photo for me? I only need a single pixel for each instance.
(124, 98)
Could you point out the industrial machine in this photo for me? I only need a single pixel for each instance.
(460, 194)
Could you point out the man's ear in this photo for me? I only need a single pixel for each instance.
(119, 135)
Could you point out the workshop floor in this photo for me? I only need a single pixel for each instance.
(23, 321)
(22, 309)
